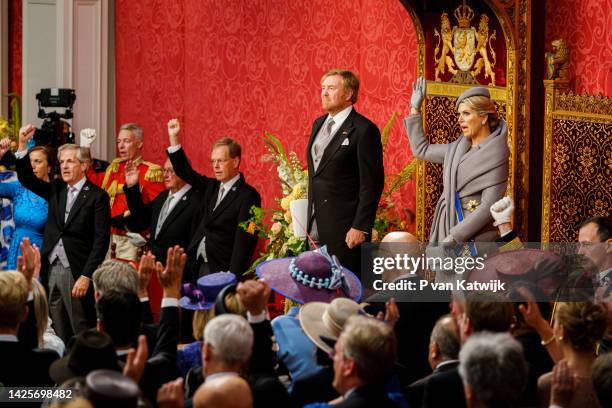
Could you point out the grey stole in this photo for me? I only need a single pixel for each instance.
(482, 168)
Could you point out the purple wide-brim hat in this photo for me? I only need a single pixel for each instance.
(277, 275)
(203, 296)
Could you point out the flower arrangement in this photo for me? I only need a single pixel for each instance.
(390, 217)
(276, 226)
(10, 127)
(281, 241)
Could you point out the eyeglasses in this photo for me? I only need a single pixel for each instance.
(219, 161)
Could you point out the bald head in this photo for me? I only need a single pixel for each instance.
(224, 392)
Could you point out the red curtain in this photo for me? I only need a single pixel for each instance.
(15, 11)
(237, 69)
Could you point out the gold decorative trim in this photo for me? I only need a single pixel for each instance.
(560, 105)
(585, 103)
(454, 90)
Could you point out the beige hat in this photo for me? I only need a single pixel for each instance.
(320, 319)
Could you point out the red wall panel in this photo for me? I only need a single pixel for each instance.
(237, 69)
(586, 26)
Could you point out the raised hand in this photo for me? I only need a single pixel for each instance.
(25, 134)
(87, 137)
(171, 276)
(145, 270)
(418, 93)
(563, 385)
(137, 360)
(131, 174)
(174, 128)
(27, 260)
(391, 314)
(5, 145)
(170, 395)
(253, 295)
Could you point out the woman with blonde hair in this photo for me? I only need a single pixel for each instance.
(578, 326)
(47, 339)
(475, 166)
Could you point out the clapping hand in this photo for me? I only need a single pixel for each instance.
(418, 94)
(174, 128)
(391, 313)
(170, 395)
(137, 360)
(131, 174)
(563, 385)
(171, 276)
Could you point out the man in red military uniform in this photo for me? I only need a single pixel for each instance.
(129, 146)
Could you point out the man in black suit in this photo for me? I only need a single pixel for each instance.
(217, 242)
(443, 355)
(76, 236)
(364, 357)
(169, 215)
(345, 171)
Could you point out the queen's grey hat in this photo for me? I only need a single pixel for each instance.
(475, 91)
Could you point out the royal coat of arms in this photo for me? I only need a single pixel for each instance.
(466, 44)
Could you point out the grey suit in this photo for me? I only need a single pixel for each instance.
(479, 175)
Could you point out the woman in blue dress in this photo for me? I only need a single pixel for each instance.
(29, 210)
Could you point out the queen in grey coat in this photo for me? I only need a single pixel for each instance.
(475, 165)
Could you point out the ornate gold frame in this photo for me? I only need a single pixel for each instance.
(561, 104)
(514, 17)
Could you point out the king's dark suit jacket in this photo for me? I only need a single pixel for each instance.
(176, 227)
(228, 246)
(86, 232)
(345, 189)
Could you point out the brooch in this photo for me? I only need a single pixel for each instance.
(472, 205)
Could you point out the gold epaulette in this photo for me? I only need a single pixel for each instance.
(113, 167)
(154, 173)
(511, 245)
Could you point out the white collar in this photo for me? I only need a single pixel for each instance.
(11, 338)
(79, 185)
(228, 184)
(180, 193)
(447, 362)
(221, 374)
(341, 116)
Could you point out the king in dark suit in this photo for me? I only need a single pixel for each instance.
(76, 235)
(345, 171)
(217, 242)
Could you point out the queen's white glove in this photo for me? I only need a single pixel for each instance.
(87, 137)
(502, 211)
(136, 239)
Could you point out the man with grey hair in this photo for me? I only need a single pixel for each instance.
(130, 142)
(364, 357)
(115, 275)
(443, 356)
(493, 369)
(76, 235)
(228, 343)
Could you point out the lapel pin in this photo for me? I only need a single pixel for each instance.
(233, 188)
(345, 142)
(184, 198)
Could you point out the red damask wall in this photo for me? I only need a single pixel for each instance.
(15, 28)
(586, 26)
(239, 68)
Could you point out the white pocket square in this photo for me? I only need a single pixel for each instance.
(345, 142)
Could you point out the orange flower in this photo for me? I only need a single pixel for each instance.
(251, 228)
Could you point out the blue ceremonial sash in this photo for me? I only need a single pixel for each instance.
(460, 218)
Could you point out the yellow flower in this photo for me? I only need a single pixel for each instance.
(287, 216)
(251, 228)
(286, 201)
(276, 228)
(298, 190)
